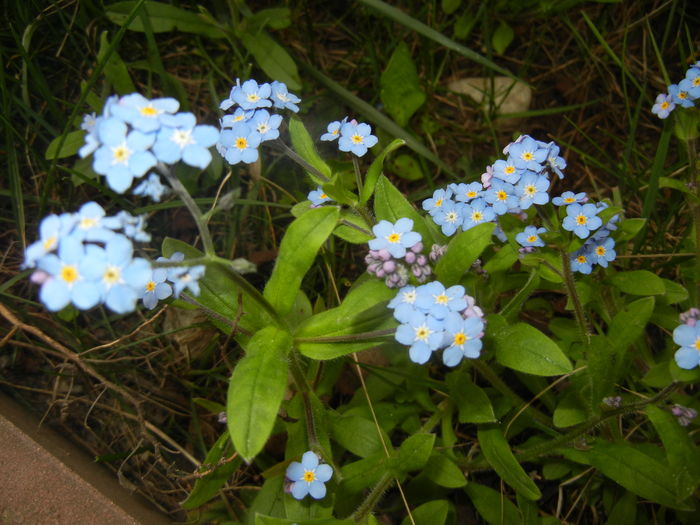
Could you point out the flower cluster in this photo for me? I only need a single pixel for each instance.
(86, 258)
(683, 94)
(179, 277)
(134, 134)
(395, 254)
(684, 415)
(308, 477)
(251, 124)
(353, 136)
(508, 186)
(687, 336)
(434, 317)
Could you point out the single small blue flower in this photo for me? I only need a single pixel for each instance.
(602, 252)
(693, 77)
(532, 189)
(679, 93)
(450, 217)
(555, 162)
(281, 98)
(507, 171)
(250, 95)
(581, 262)
(688, 338)
(501, 196)
(134, 227)
(309, 476)
(527, 154)
(477, 212)
(318, 197)
(181, 139)
(434, 299)
(423, 334)
(240, 115)
(403, 303)
(156, 288)
(433, 204)
(333, 130)
(266, 125)
(531, 236)
(466, 192)
(356, 138)
(151, 187)
(396, 238)
(141, 113)
(239, 144)
(569, 197)
(184, 277)
(51, 229)
(581, 219)
(463, 337)
(663, 105)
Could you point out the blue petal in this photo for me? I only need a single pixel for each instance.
(317, 490)
(295, 471)
(687, 358)
(54, 294)
(324, 472)
(300, 489)
(309, 460)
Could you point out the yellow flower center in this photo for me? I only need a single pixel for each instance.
(459, 339)
(581, 220)
(309, 476)
(438, 203)
(111, 276)
(357, 139)
(477, 216)
(121, 154)
(253, 97)
(393, 238)
(696, 81)
(532, 238)
(323, 196)
(441, 299)
(50, 243)
(509, 169)
(149, 111)
(527, 155)
(697, 344)
(581, 259)
(569, 200)
(501, 195)
(241, 143)
(682, 95)
(600, 250)
(150, 286)
(530, 190)
(471, 194)
(664, 105)
(69, 274)
(87, 222)
(422, 333)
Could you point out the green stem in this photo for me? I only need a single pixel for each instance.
(358, 173)
(373, 497)
(584, 328)
(346, 338)
(194, 210)
(304, 389)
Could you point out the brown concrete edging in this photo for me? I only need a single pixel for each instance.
(45, 479)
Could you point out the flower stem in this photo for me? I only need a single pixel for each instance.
(584, 328)
(304, 389)
(194, 210)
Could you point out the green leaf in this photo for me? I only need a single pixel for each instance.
(682, 454)
(502, 37)
(625, 511)
(497, 452)
(400, 88)
(638, 282)
(502, 260)
(667, 182)
(675, 293)
(363, 310)
(207, 486)
(375, 170)
(256, 390)
(629, 228)
(349, 233)
(272, 58)
(524, 348)
(221, 293)
(115, 70)
(390, 205)
(450, 6)
(361, 474)
(443, 471)
(493, 506)
(462, 251)
(406, 167)
(357, 434)
(163, 18)
(304, 146)
(414, 452)
(569, 411)
(297, 252)
(274, 17)
(472, 402)
(73, 142)
(634, 470)
(430, 513)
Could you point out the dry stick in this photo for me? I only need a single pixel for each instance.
(72, 356)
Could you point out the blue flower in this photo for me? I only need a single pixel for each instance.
(569, 197)
(581, 219)
(184, 277)
(531, 236)
(693, 77)
(449, 217)
(66, 282)
(151, 187)
(133, 227)
(121, 277)
(437, 301)
(395, 238)
(122, 155)
(143, 114)
(181, 139)
(501, 196)
(603, 252)
(680, 95)
(156, 288)
(333, 130)
(466, 192)
(581, 262)
(356, 138)
(422, 333)
(403, 303)
(318, 197)
(240, 115)
(663, 105)
(51, 229)
(464, 338)
(554, 162)
(433, 204)
(507, 171)
(250, 95)
(309, 476)
(281, 98)
(266, 125)
(527, 154)
(688, 338)
(239, 144)
(477, 212)
(532, 189)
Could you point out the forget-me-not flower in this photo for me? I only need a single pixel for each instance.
(181, 139)
(464, 338)
(141, 113)
(531, 237)
(422, 333)
(395, 238)
(318, 197)
(582, 219)
(281, 98)
(356, 138)
(239, 143)
(333, 130)
(309, 476)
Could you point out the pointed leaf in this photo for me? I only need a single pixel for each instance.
(430, 513)
(493, 506)
(400, 88)
(272, 58)
(638, 282)
(462, 251)
(524, 348)
(304, 146)
(445, 472)
(256, 390)
(414, 452)
(391, 205)
(163, 18)
(375, 170)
